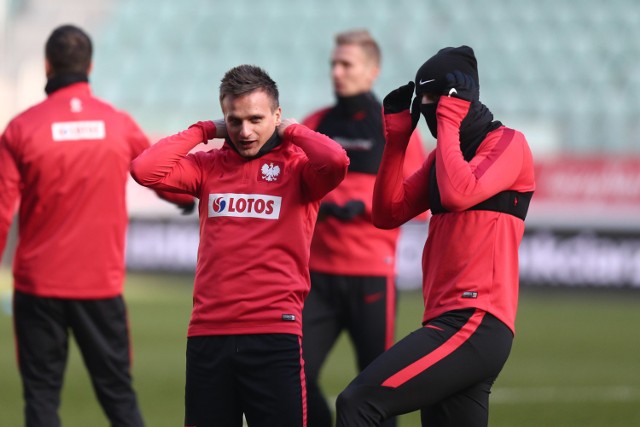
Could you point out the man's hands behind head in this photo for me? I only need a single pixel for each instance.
(284, 124)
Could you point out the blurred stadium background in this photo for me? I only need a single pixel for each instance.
(565, 72)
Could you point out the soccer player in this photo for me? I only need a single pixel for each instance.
(352, 262)
(477, 183)
(260, 195)
(66, 160)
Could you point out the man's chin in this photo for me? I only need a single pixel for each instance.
(249, 152)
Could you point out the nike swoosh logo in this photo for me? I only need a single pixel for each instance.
(371, 298)
(426, 81)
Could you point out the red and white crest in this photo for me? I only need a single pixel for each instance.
(270, 171)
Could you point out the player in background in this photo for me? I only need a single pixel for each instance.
(260, 195)
(477, 183)
(352, 262)
(66, 161)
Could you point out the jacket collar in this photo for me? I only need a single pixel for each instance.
(75, 89)
(273, 142)
(61, 81)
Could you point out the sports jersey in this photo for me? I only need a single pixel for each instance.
(67, 160)
(470, 258)
(357, 247)
(256, 220)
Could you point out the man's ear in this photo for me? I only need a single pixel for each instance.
(47, 68)
(375, 72)
(278, 114)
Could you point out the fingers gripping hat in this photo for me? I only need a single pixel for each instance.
(432, 75)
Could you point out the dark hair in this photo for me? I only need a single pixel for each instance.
(244, 79)
(69, 50)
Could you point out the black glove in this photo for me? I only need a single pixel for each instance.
(327, 209)
(461, 86)
(347, 212)
(187, 208)
(352, 209)
(400, 99)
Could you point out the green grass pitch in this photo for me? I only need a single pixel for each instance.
(575, 360)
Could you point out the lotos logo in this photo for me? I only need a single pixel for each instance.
(219, 204)
(245, 205)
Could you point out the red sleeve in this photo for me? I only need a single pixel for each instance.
(139, 142)
(495, 167)
(415, 155)
(9, 188)
(396, 200)
(328, 161)
(179, 199)
(166, 165)
(413, 160)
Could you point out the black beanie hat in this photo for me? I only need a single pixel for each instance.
(432, 75)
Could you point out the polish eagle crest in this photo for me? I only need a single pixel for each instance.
(270, 172)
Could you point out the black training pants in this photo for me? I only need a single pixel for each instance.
(364, 307)
(100, 328)
(444, 369)
(259, 376)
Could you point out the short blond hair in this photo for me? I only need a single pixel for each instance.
(362, 38)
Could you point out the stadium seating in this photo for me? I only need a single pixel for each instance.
(573, 67)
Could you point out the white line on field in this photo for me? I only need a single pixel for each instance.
(573, 394)
(576, 394)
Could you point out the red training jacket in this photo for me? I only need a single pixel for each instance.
(357, 247)
(67, 160)
(470, 258)
(256, 222)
